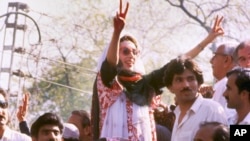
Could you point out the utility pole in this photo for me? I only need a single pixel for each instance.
(13, 42)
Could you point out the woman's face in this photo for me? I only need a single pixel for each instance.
(128, 54)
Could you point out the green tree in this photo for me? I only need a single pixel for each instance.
(75, 32)
(66, 88)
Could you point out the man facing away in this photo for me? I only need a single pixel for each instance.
(212, 131)
(237, 94)
(183, 78)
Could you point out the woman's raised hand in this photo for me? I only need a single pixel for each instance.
(119, 19)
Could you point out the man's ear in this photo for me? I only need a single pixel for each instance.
(245, 94)
(228, 60)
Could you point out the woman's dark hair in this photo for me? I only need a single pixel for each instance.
(129, 38)
(177, 66)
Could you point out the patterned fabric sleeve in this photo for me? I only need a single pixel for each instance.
(108, 89)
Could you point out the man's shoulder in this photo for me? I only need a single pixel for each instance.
(17, 135)
(221, 84)
(207, 102)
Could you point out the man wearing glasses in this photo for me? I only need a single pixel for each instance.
(6, 134)
(221, 63)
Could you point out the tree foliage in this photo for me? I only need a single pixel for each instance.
(63, 67)
(64, 89)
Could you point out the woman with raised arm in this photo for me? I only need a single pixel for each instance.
(124, 97)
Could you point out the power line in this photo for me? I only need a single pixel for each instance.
(37, 27)
(58, 84)
(19, 73)
(61, 62)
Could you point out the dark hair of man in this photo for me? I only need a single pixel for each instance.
(242, 78)
(46, 119)
(177, 66)
(85, 117)
(221, 131)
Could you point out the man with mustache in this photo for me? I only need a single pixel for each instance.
(47, 127)
(183, 78)
(222, 62)
(7, 134)
(237, 94)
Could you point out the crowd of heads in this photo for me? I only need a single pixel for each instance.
(120, 83)
(48, 126)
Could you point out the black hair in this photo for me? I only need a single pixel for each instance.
(177, 66)
(242, 80)
(46, 119)
(221, 131)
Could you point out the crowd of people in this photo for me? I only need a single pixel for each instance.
(126, 102)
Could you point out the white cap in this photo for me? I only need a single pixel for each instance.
(70, 131)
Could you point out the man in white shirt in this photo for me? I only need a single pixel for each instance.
(7, 134)
(183, 78)
(221, 63)
(237, 94)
